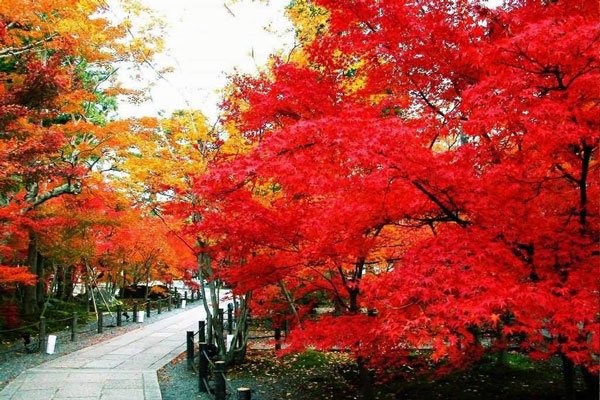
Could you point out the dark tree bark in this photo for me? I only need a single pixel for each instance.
(69, 286)
(569, 377)
(61, 278)
(41, 284)
(367, 388)
(592, 384)
(30, 301)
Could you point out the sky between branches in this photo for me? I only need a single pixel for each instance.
(204, 41)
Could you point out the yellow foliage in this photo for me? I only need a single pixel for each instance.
(236, 143)
(84, 27)
(309, 20)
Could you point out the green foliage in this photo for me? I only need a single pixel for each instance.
(309, 359)
(99, 111)
(58, 310)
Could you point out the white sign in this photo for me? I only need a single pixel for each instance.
(140, 316)
(183, 303)
(51, 344)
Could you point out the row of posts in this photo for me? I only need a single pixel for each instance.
(43, 339)
(203, 362)
(148, 309)
(219, 366)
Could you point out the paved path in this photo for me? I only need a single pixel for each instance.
(120, 368)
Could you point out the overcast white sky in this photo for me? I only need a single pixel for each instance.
(203, 42)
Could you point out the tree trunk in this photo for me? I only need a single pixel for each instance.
(569, 377)
(290, 301)
(41, 284)
(502, 361)
(147, 281)
(237, 353)
(61, 277)
(367, 389)
(30, 301)
(592, 384)
(354, 301)
(69, 282)
(354, 291)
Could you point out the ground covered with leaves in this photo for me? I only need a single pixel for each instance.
(315, 375)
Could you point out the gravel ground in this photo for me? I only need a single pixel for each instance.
(12, 364)
(177, 383)
(269, 377)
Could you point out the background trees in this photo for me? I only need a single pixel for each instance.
(57, 135)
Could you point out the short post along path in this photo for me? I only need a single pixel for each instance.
(123, 367)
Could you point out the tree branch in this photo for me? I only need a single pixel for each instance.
(13, 51)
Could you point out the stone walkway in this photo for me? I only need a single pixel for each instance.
(120, 368)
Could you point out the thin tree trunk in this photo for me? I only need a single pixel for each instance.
(60, 282)
(569, 377)
(290, 301)
(238, 348)
(502, 360)
(30, 304)
(354, 290)
(237, 352)
(592, 384)
(69, 282)
(147, 280)
(41, 284)
(93, 300)
(367, 389)
(201, 278)
(216, 323)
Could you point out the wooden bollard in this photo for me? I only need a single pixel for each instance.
(201, 331)
(185, 296)
(190, 349)
(119, 316)
(220, 388)
(159, 305)
(135, 312)
(170, 303)
(100, 321)
(199, 296)
(244, 393)
(74, 328)
(148, 308)
(230, 318)
(202, 368)
(42, 338)
(277, 339)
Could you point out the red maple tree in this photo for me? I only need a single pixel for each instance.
(434, 162)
